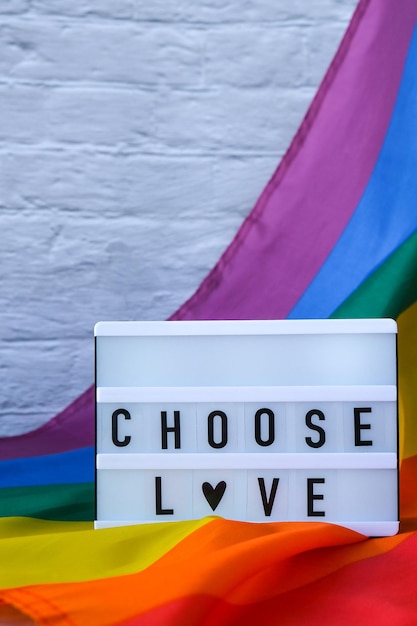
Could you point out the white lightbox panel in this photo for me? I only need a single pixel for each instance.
(252, 353)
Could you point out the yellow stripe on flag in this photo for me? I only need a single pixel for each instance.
(407, 381)
(75, 552)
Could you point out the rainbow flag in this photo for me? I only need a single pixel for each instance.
(334, 234)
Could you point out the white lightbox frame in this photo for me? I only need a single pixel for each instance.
(285, 361)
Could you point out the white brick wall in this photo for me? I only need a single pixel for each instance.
(134, 138)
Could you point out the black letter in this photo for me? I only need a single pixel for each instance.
(271, 427)
(311, 496)
(210, 425)
(158, 499)
(121, 443)
(359, 427)
(268, 503)
(319, 429)
(172, 429)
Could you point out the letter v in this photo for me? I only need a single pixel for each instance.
(268, 503)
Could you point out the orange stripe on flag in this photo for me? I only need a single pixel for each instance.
(232, 561)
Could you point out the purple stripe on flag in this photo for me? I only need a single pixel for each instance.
(71, 429)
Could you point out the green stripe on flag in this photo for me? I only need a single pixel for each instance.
(73, 502)
(388, 291)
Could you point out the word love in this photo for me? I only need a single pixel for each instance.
(213, 495)
(259, 495)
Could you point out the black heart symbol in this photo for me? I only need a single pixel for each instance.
(213, 495)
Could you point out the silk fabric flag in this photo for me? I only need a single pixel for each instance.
(334, 234)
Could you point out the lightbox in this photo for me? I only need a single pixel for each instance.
(289, 420)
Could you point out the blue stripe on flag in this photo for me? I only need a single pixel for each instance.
(76, 466)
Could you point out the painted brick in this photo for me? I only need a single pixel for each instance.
(55, 50)
(234, 11)
(248, 55)
(92, 115)
(110, 9)
(13, 6)
(231, 119)
(205, 11)
(105, 185)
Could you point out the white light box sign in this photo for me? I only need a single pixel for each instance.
(249, 420)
